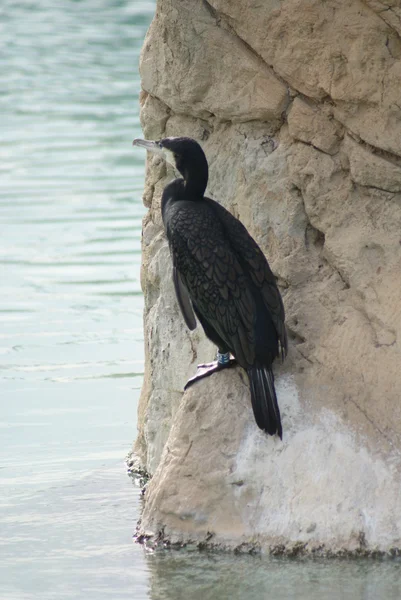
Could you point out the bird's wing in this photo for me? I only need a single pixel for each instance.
(214, 279)
(184, 300)
(254, 262)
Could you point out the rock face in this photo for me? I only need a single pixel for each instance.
(297, 105)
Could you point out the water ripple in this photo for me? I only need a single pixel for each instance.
(70, 301)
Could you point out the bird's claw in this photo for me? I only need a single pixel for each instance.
(207, 369)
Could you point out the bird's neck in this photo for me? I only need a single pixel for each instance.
(191, 188)
(195, 184)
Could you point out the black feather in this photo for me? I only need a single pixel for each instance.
(264, 400)
(222, 270)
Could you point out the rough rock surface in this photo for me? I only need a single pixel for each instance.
(297, 105)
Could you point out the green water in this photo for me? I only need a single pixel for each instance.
(71, 340)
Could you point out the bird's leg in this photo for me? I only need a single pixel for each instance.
(223, 362)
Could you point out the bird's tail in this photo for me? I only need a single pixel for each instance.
(264, 400)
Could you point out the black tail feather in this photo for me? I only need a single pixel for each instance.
(264, 400)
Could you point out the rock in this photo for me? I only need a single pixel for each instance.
(253, 490)
(309, 125)
(194, 66)
(312, 168)
(390, 12)
(372, 170)
(337, 50)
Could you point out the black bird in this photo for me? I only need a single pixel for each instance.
(222, 276)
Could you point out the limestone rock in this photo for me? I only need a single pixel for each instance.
(372, 170)
(317, 488)
(339, 50)
(196, 67)
(309, 125)
(311, 165)
(390, 12)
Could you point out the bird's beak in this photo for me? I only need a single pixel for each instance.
(149, 145)
(155, 148)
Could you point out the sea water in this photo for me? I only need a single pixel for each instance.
(71, 339)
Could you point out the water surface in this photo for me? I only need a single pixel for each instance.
(71, 341)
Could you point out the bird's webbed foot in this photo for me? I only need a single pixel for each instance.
(223, 362)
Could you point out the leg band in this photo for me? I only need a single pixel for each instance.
(223, 359)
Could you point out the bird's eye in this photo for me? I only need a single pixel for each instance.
(160, 145)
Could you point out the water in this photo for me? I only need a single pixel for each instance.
(71, 341)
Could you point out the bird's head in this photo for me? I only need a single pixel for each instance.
(186, 155)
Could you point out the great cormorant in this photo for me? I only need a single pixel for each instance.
(222, 276)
